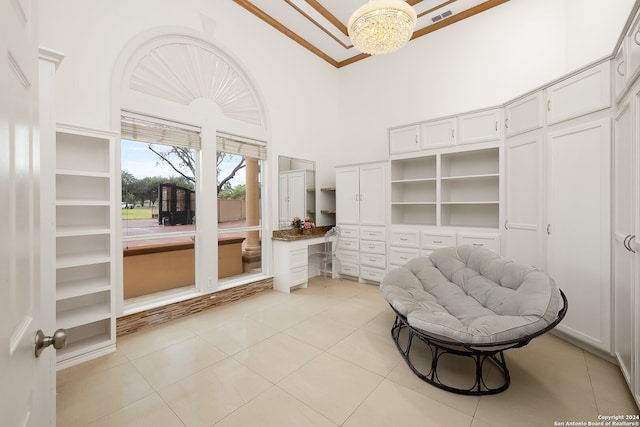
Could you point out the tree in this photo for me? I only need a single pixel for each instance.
(220, 157)
(129, 182)
(181, 160)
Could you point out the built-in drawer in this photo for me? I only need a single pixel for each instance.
(372, 247)
(373, 260)
(372, 274)
(348, 232)
(299, 275)
(402, 256)
(489, 241)
(349, 269)
(372, 234)
(431, 240)
(347, 257)
(348, 244)
(298, 258)
(405, 238)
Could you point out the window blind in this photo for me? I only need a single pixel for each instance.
(153, 130)
(241, 146)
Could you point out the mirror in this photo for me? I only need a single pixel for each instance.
(296, 190)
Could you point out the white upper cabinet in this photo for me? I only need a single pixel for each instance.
(348, 195)
(372, 194)
(404, 139)
(438, 133)
(480, 127)
(524, 114)
(581, 94)
(360, 195)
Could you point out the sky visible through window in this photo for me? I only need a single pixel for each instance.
(142, 162)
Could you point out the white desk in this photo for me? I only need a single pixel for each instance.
(291, 262)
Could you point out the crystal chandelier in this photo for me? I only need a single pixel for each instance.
(382, 26)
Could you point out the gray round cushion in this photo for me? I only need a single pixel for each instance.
(471, 295)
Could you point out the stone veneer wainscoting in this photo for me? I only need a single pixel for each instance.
(144, 319)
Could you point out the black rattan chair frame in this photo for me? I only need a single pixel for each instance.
(480, 353)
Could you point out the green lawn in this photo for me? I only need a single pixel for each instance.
(137, 213)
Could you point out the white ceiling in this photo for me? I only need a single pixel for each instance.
(321, 25)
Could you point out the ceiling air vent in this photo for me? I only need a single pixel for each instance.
(441, 16)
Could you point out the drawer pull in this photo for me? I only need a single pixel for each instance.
(404, 258)
(619, 69)
(437, 241)
(635, 37)
(371, 247)
(372, 234)
(478, 245)
(403, 239)
(372, 260)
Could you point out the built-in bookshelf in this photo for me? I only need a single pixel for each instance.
(85, 300)
(457, 189)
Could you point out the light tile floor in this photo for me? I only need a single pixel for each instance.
(320, 356)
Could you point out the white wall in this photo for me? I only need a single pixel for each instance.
(298, 89)
(593, 28)
(339, 116)
(479, 62)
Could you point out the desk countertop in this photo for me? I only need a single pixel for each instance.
(291, 235)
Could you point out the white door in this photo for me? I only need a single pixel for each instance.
(372, 195)
(578, 240)
(622, 232)
(524, 199)
(347, 196)
(297, 195)
(27, 389)
(283, 194)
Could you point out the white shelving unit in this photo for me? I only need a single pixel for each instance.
(456, 189)
(85, 296)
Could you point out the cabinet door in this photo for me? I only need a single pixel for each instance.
(480, 127)
(623, 229)
(372, 194)
(620, 71)
(439, 133)
(297, 193)
(524, 114)
(633, 52)
(283, 189)
(347, 196)
(524, 199)
(403, 140)
(583, 93)
(578, 240)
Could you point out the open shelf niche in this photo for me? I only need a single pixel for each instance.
(85, 262)
(457, 189)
